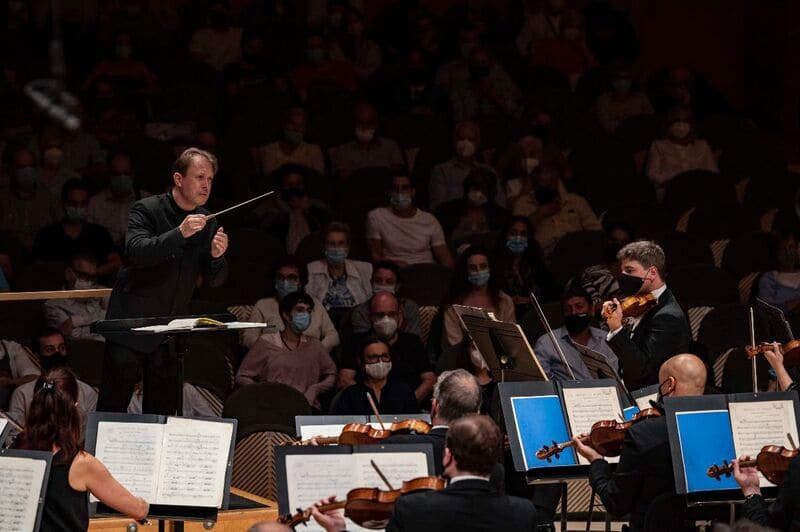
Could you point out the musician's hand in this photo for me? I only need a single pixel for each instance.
(219, 244)
(612, 312)
(192, 224)
(746, 477)
(775, 357)
(332, 521)
(584, 450)
(314, 441)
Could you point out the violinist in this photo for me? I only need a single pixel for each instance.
(645, 466)
(643, 343)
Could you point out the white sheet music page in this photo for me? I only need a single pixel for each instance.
(396, 467)
(194, 460)
(587, 406)
(644, 402)
(311, 477)
(132, 453)
(758, 423)
(19, 492)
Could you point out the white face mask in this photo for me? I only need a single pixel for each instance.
(365, 135)
(378, 370)
(477, 359)
(84, 284)
(477, 198)
(680, 130)
(529, 164)
(385, 327)
(465, 148)
(383, 288)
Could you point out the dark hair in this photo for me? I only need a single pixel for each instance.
(576, 290)
(362, 346)
(337, 227)
(475, 443)
(53, 417)
(457, 394)
(184, 160)
(44, 333)
(402, 172)
(290, 262)
(287, 303)
(387, 265)
(73, 184)
(460, 286)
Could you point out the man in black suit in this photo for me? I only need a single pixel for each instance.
(644, 471)
(169, 246)
(643, 344)
(468, 503)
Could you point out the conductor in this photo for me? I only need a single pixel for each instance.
(170, 247)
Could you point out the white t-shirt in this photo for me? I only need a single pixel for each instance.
(408, 240)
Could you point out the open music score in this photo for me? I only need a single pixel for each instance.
(587, 406)
(25, 475)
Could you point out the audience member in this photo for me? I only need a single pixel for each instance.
(544, 23)
(217, 44)
(290, 277)
(291, 148)
(16, 368)
(253, 68)
(289, 356)
(320, 68)
(52, 171)
(386, 278)
(355, 48)
(194, 403)
(568, 53)
(74, 317)
(475, 213)
(600, 280)
(456, 72)
(520, 163)
(404, 234)
(488, 90)
(780, 287)
(416, 92)
(368, 149)
(125, 69)
(623, 102)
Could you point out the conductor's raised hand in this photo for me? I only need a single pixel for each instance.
(192, 224)
(219, 244)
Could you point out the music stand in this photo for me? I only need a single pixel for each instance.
(503, 346)
(777, 324)
(599, 367)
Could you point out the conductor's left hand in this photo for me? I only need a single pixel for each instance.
(219, 244)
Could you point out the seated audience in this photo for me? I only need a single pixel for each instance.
(540, 24)
(386, 278)
(294, 213)
(74, 234)
(487, 91)
(368, 150)
(290, 278)
(623, 102)
(578, 311)
(291, 148)
(600, 280)
(53, 172)
(520, 163)
(290, 357)
(391, 395)
(410, 362)
(680, 150)
(319, 67)
(74, 317)
(125, 69)
(53, 425)
(780, 287)
(355, 48)
(474, 285)
(109, 208)
(568, 52)
(16, 368)
(553, 211)
(404, 234)
(456, 72)
(475, 213)
(416, 92)
(340, 283)
(218, 43)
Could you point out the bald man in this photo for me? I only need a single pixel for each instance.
(269, 527)
(645, 465)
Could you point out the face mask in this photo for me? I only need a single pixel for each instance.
(465, 148)
(517, 244)
(466, 49)
(52, 156)
(529, 164)
(401, 201)
(336, 256)
(629, 284)
(385, 327)
(545, 195)
(55, 360)
(84, 284)
(26, 177)
(364, 135)
(301, 321)
(76, 214)
(124, 51)
(477, 198)
(121, 184)
(577, 323)
(680, 130)
(572, 34)
(390, 288)
(293, 137)
(477, 359)
(316, 55)
(378, 370)
(479, 278)
(622, 85)
(284, 287)
(292, 193)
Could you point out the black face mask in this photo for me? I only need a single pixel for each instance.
(54, 361)
(545, 195)
(577, 323)
(629, 284)
(291, 193)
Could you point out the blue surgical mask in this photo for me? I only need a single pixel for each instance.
(517, 244)
(284, 287)
(479, 278)
(401, 201)
(301, 321)
(336, 256)
(121, 184)
(27, 176)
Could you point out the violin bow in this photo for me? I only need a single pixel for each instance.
(375, 410)
(556, 345)
(753, 343)
(380, 474)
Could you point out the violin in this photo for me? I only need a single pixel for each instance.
(773, 462)
(605, 437)
(632, 306)
(364, 434)
(790, 350)
(368, 507)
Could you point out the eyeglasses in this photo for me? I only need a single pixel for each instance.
(378, 357)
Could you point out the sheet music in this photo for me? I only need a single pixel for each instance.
(132, 453)
(187, 324)
(586, 406)
(194, 460)
(3, 423)
(19, 492)
(759, 423)
(397, 467)
(644, 402)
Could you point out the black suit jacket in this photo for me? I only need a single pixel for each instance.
(784, 513)
(661, 333)
(465, 506)
(161, 268)
(644, 472)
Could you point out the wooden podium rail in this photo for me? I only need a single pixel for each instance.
(55, 294)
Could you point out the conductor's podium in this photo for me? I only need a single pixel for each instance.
(245, 510)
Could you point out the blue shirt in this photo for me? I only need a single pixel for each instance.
(551, 362)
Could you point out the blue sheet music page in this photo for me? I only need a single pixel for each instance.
(705, 439)
(540, 422)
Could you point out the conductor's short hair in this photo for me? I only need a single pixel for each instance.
(184, 160)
